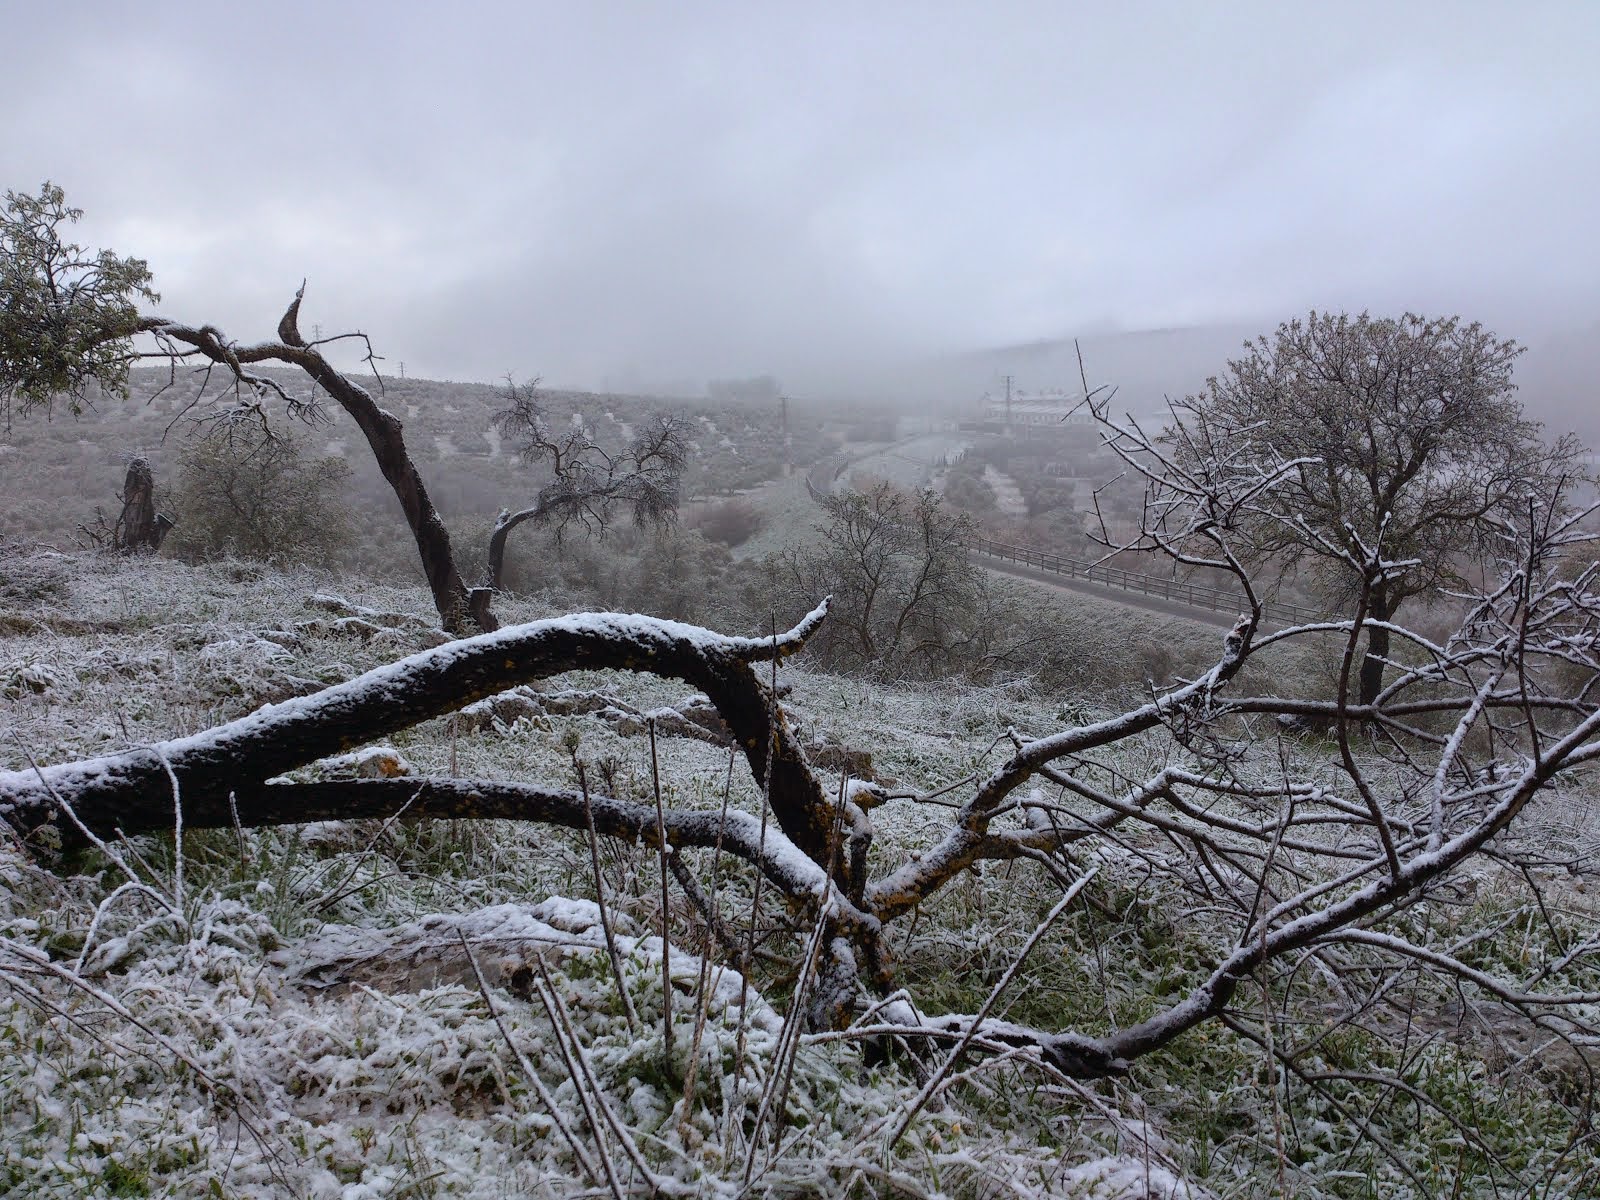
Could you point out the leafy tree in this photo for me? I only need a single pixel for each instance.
(262, 498)
(68, 313)
(731, 523)
(69, 322)
(1400, 441)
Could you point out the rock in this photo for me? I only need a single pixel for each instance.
(372, 762)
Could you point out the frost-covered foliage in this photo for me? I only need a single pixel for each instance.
(66, 312)
(396, 1008)
(240, 493)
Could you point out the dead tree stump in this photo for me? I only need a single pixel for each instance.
(139, 528)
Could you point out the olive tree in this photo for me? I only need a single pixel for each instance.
(586, 483)
(71, 324)
(260, 497)
(1405, 444)
(66, 313)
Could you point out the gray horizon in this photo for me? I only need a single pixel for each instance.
(619, 197)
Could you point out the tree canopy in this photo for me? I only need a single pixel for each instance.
(69, 313)
(1404, 443)
(260, 497)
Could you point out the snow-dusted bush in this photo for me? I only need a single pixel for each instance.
(254, 497)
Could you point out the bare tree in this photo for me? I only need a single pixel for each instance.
(588, 485)
(905, 597)
(1407, 442)
(69, 324)
(1311, 876)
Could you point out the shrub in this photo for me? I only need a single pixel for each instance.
(260, 498)
(731, 523)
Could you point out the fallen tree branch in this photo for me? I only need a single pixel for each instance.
(132, 791)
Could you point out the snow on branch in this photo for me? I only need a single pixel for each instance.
(131, 790)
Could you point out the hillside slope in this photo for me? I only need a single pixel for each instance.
(291, 1012)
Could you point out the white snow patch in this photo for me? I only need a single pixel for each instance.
(1124, 1178)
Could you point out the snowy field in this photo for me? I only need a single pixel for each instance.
(366, 1010)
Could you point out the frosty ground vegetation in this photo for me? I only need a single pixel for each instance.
(1206, 942)
(306, 896)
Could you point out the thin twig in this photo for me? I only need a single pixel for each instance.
(545, 1097)
(600, 901)
(978, 1018)
(661, 864)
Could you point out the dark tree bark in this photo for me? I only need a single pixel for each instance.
(462, 611)
(139, 527)
(457, 610)
(137, 791)
(497, 543)
(1380, 608)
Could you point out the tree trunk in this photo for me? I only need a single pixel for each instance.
(139, 527)
(497, 543)
(1380, 608)
(462, 611)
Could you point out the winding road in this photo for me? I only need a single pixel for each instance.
(1152, 593)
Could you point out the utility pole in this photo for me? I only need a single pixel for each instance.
(788, 445)
(1008, 403)
(402, 368)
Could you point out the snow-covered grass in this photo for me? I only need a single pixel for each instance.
(790, 517)
(405, 1008)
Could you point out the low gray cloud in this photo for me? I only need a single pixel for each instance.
(616, 194)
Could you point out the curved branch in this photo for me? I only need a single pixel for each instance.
(459, 611)
(504, 524)
(112, 791)
(967, 839)
(738, 833)
(1213, 995)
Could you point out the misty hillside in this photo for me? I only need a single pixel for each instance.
(1557, 377)
(529, 912)
(54, 473)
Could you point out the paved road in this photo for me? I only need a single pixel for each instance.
(821, 479)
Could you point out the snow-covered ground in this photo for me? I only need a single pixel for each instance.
(909, 463)
(365, 1010)
(300, 1012)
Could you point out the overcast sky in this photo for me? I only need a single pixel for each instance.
(615, 194)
